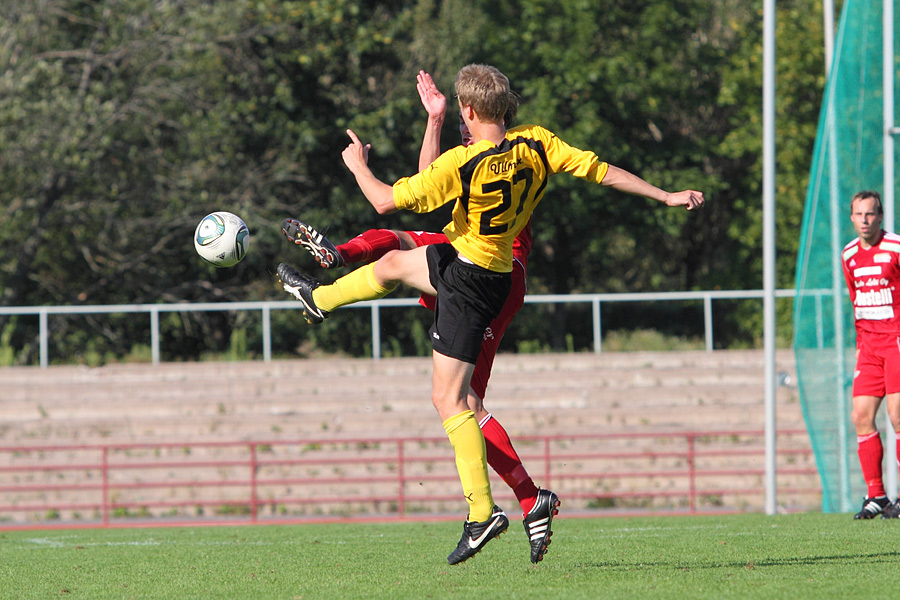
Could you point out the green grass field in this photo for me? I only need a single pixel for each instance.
(735, 556)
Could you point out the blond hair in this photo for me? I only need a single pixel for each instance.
(485, 89)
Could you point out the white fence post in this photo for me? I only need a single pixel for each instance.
(706, 297)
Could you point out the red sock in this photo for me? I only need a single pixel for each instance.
(871, 452)
(503, 459)
(369, 246)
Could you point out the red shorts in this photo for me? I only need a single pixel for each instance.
(494, 332)
(426, 238)
(877, 365)
(497, 328)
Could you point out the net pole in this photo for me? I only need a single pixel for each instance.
(890, 131)
(769, 248)
(842, 410)
(887, 84)
(837, 282)
(828, 25)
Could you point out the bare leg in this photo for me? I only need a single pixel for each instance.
(406, 266)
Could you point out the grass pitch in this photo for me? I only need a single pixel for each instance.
(735, 556)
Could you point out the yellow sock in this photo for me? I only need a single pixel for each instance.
(471, 462)
(355, 286)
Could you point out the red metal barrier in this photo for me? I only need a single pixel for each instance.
(257, 481)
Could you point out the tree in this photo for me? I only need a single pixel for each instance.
(123, 122)
(126, 121)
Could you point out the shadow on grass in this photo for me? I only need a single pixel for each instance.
(844, 559)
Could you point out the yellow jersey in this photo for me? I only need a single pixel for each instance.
(496, 189)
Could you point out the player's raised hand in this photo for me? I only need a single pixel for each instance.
(378, 193)
(690, 199)
(432, 99)
(356, 155)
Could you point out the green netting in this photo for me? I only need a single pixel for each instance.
(848, 157)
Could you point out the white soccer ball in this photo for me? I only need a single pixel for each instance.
(222, 239)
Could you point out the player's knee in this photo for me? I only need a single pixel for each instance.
(895, 423)
(476, 405)
(894, 416)
(448, 405)
(388, 269)
(862, 418)
(441, 401)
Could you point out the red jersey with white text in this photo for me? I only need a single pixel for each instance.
(873, 278)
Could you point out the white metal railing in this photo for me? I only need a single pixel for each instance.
(266, 307)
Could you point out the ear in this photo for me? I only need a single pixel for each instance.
(468, 112)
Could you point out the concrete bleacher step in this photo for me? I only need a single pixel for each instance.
(332, 397)
(611, 370)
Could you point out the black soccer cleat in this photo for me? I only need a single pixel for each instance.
(537, 523)
(301, 287)
(892, 510)
(872, 507)
(476, 535)
(315, 243)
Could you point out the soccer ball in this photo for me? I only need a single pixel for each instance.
(222, 239)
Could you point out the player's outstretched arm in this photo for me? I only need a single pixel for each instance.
(436, 106)
(379, 194)
(622, 180)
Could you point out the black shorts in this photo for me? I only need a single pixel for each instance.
(469, 297)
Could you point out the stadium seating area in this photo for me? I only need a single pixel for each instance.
(687, 424)
(531, 394)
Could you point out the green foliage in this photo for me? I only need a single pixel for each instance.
(123, 122)
(237, 349)
(647, 341)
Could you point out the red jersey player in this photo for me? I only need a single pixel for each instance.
(538, 506)
(871, 266)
